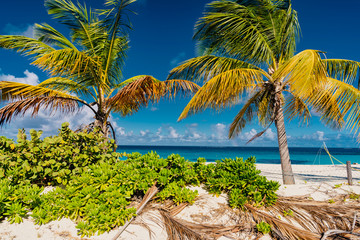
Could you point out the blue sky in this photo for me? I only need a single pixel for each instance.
(161, 39)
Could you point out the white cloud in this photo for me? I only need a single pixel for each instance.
(153, 109)
(143, 133)
(47, 122)
(176, 60)
(250, 134)
(173, 133)
(30, 78)
(267, 138)
(167, 132)
(220, 132)
(269, 134)
(338, 136)
(320, 136)
(27, 30)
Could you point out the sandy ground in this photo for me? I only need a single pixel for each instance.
(318, 182)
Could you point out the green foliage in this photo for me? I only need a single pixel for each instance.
(263, 227)
(288, 213)
(16, 200)
(97, 188)
(53, 160)
(98, 199)
(177, 194)
(240, 179)
(354, 196)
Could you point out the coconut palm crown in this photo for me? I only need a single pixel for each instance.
(247, 48)
(85, 70)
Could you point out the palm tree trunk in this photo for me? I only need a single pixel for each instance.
(288, 176)
(100, 117)
(101, 122)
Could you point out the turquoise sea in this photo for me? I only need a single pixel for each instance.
(316, 156)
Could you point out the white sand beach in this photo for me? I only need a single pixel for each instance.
(318, 182)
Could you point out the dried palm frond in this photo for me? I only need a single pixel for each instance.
(346, 233)
(175, 87)
(317, 216)
(16, 91)
(148, 196)
(140, 90)
(301, 218)
(35, 104)
(178, 229)
(285, 229)
(135, 94)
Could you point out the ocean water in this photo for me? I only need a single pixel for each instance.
(310, 156)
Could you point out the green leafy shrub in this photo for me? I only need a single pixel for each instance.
(53, 160)
(98, 199)
(15, 201)
(263, 227)
(97, 188)
(240, 179)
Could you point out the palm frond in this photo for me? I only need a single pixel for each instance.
(236, 30)
(67, 85)
(269, 105)
(137, 93)
(114, 23)
(206, 67)
(71, 62)
(80, 19)
(15, 91)
(150, 193)
(326, 104)
(179, 229)
(225, 89)
(302, 72)
(25, 45)
(34, 104)
(287, 230)
(314, 216)
(117, 58)
(49, 35)
(344, 70)
(68, 13)
(296, 107)
(246, 114)
(130, 80)
(347, 99)
(286, 30)
(176, 87)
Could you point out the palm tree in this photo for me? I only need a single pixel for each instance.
(237, 41)
(86, 70)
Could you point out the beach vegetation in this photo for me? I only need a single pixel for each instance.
(248, 51)
(86, 69)
(106, 193)
(95, 188)
(263, 227)
(55, 159)
(354, 196)
(288, 213)
(240, 180)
